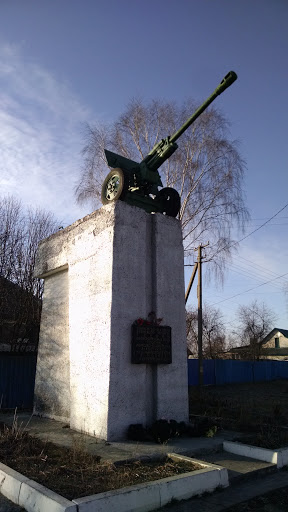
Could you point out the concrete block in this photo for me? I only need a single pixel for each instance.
(52, 385)
(101, 274)
(278, 457)
(283, 457)
(10, 483)
(37, 498)
(141, 498)
(190, 484)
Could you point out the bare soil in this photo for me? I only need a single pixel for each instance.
(243, 407)
(73, 473)
(260, 409)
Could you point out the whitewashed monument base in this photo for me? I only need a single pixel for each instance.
(101, 274)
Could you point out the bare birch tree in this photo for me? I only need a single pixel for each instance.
(213, 332)
(255, 321)
(207, 169)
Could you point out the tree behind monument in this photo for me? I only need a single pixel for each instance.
(207, 170)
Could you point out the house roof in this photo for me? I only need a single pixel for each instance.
(283, 331)
(242, 348)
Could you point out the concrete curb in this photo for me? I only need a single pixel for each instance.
(278, 457)
(156, 494)
(31, 495)
(139, 498)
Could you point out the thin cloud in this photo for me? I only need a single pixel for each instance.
(40, 135)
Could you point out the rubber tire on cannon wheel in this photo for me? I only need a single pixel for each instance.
(114, 187)
(171, 200)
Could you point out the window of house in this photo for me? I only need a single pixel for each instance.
(277, 344)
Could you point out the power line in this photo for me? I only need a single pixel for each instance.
(249, 234)
(282, 224)
(253, 264)
(264, 224)
(264, 218)
(249, 273)
(250, 289)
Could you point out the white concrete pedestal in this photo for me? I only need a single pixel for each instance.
(101, 274)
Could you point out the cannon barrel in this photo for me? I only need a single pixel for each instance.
(226, 82)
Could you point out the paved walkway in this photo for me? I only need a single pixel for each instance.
(8, 506)
(61, 434)
(231, 496)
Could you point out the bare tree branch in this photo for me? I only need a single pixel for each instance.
(207, 169)
(213, 332)
(20, 293)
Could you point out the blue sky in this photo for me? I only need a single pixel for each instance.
(64, 63)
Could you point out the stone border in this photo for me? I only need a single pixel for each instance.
(143, 497)
(156, 494)
(278, 457)
(30, 495)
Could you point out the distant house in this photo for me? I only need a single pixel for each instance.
(19, 318)
(273, 346)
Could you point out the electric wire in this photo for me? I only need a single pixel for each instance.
(228, 246)
(250, 289)
(253, 264)
(256, 275)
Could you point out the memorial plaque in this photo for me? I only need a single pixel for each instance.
(151, 344)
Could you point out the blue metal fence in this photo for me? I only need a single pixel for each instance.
(224, 371)
(17, 377)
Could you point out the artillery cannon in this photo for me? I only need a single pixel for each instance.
(137, 183)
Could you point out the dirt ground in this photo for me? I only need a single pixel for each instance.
(243, 404)
(72, 472)
(243, 407)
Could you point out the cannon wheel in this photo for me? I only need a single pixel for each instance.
(170, 200)
(114, 187)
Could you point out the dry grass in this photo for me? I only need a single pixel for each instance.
(269, 436)
(243, 406)
(73, 473)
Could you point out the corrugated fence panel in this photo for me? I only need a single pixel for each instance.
(280, 369)
(262, 370)
(223, 371)
(232, 371)
(17, 378)
(209, 372)
(192, 372)
(17, 375)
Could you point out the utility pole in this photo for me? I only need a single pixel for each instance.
(191, 282)
(200, 326)
(198, 266)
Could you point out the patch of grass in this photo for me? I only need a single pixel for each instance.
(74, 473)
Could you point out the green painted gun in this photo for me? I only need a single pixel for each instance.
(137, 183)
